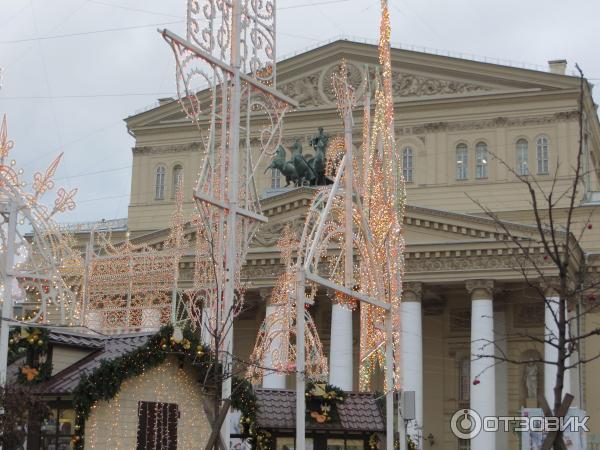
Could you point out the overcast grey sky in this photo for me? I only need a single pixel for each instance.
(67, 91)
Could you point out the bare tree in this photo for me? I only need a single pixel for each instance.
(554, 265)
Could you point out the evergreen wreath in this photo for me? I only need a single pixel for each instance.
(33, 344)
(322, 400)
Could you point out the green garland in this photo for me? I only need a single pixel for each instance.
(33, 343)
(105, 382)
(322, 400)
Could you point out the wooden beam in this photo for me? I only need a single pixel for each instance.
(216, 427)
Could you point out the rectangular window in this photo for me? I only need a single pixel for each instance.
(157, 426)
(407, 164)
(355, 444)
(542, 156)
(522, 157)
(462, 162)
(335, 444)
(482, 161)
(275, 179)
(57, 429)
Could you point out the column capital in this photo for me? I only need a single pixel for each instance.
(550, 286)
(480, 289)
(266, 295)
(412, 291)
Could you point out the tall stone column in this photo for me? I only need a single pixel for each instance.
(411, 338)
(501, 348)
(340, 350)
(551, 334)
(272, 380)
(483, 374)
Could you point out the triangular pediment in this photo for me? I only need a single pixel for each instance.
(422, 226)
(306, 77)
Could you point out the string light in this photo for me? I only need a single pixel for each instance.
(130, 286)
(276, 336)
(48, 268)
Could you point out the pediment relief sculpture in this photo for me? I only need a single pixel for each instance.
(269, 233)
(315, 89)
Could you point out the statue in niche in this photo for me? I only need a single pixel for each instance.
(301, 170)
(531, 379)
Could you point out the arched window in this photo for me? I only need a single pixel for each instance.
(522, 157)
(159, 183)
(177, 179)
(462, 162)
(481, 157)
(275, 178)
(542, 155)
(407, 164)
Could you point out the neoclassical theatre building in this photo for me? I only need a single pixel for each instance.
(452, 115)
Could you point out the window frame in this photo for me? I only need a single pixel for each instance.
(542, 155)
(275, 178)
(408, 164)
(464, 382)
(55, 436)
(177, 173)
(160, 175)
(481, 162)
(462, 162)
(160, 428)
(522, 157)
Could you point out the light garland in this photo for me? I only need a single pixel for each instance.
(376, 232)
(48, 268)
(132, 287)
(276, 337)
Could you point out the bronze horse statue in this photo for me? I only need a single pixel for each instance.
(287, 168)
(300, 170)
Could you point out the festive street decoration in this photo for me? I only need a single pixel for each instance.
(322, 400)
(32, 344)
(351, 244)
(46, 269)
(226, 78)
(276, 337)
(106, 381)
(134, 287)
(41, 270)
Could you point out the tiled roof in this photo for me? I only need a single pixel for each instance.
(105, 348)
(76, 338)
(359, 412)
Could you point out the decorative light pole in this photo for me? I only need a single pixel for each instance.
(225, 75)
(35, 257)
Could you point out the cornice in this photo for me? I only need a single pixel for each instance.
(166, 149)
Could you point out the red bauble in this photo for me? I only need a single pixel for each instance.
(476, 381)
(589, 226)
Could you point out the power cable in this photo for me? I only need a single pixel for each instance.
(75, 96)
(85, 33)
(128, 8)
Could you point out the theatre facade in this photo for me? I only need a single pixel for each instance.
(462, 128)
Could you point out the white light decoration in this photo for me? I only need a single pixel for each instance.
(134, 287)
(40, 269)
(352, 243)
(225, 79)
(276, 337)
